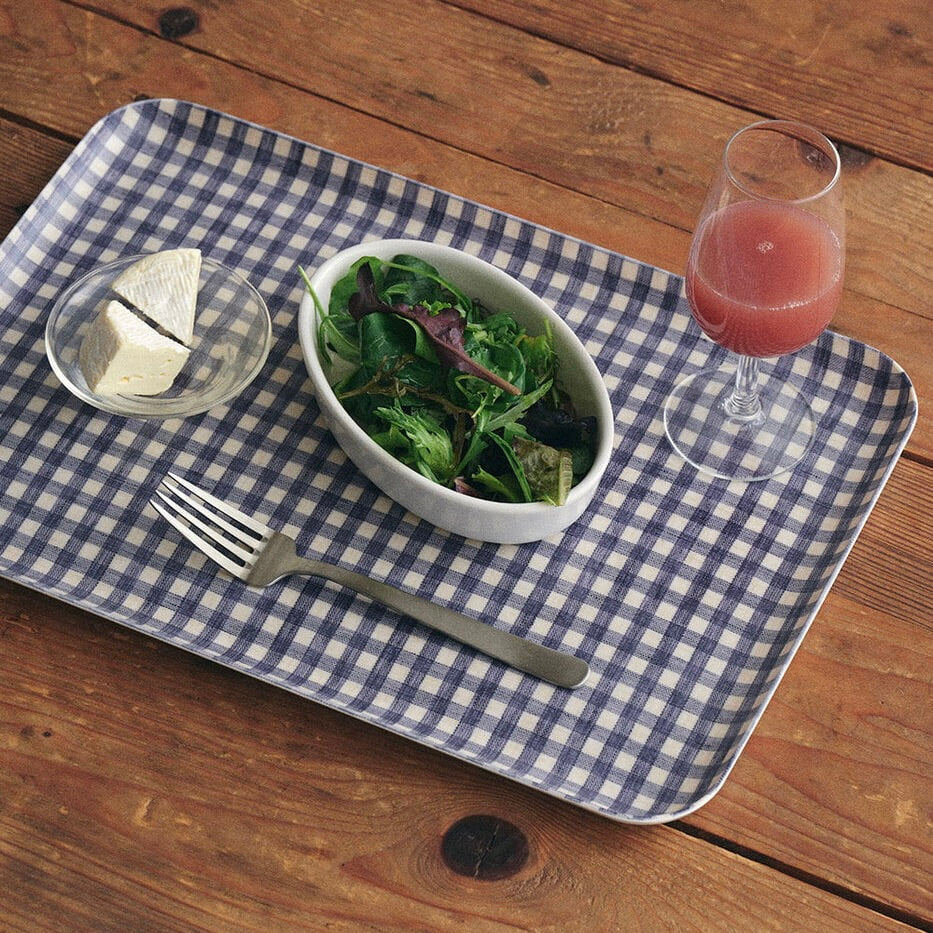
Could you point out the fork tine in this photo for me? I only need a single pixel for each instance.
(246, 520)
(212, 525)
(224, 560)
(232, 535)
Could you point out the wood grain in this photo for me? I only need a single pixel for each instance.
(141, 787)
(850, 68)
(836, 776)
(839, 753)
(29, 158)
(887, 569)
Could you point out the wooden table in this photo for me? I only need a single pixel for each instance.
(241, 807)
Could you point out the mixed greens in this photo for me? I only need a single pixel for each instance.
(458, 392)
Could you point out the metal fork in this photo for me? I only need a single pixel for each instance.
(256, 554)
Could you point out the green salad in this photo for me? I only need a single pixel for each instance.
(459, 392)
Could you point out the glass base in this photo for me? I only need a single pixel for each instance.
(743, 442)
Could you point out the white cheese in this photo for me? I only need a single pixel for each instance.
(122, 355)
(164, 287)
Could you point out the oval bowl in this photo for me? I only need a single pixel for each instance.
(482, 520)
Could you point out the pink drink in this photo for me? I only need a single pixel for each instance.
(764, 278)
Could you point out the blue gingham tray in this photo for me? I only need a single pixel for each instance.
(688, 597)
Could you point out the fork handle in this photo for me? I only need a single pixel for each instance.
(556, 667)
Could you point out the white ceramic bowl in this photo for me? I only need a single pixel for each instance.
(503, 523)
(232, 337)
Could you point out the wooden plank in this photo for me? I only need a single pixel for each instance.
(887, 569)
(838, 767)
(121, 809)
(135, 68)
(29, 158)
(583, 124)
(851, 68)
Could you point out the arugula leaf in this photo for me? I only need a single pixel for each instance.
(501, 487)
(431, 452)
(515, 464)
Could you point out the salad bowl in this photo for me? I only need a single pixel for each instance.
(446, 508)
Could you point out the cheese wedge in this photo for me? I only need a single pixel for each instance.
(164, 287)
(122, 355)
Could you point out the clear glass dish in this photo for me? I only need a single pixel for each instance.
(232, 337)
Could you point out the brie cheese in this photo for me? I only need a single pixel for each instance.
(122, 355)
(164, 287)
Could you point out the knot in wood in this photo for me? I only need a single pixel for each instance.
(484, 847)
(177, 22)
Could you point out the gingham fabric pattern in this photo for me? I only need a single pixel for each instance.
(687, 596)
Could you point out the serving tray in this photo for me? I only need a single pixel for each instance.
(687, 596)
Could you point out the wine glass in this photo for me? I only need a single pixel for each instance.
(764, 277)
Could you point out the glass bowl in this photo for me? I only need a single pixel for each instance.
(232, 337)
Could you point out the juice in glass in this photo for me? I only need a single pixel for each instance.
(763, 277)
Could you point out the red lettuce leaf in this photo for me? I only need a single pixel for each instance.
(444, 330)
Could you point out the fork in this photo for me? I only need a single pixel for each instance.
(258, 555)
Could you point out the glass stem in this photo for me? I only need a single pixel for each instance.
(744, 403)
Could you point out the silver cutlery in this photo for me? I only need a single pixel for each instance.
(258, 555)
